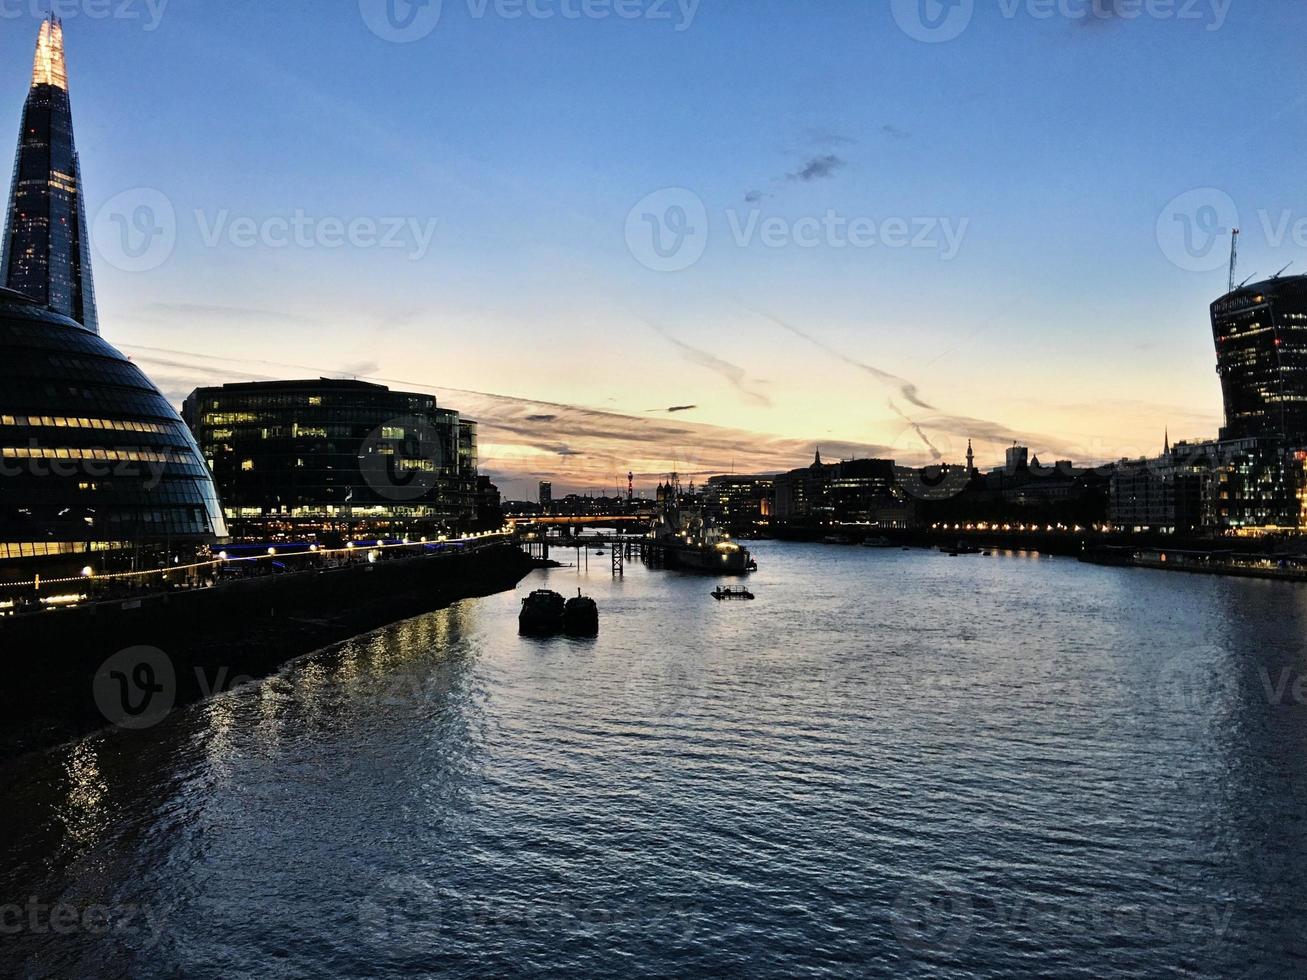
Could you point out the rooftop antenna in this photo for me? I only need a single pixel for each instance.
(1281, 272)
(1234, 256)
(1245, 282)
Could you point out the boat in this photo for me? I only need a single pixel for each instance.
(838, 539)
(543, 614)
(878, 542)
(691, 542)
(721, 593)
(581, 616)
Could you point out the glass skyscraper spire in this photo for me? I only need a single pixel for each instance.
(46, 251)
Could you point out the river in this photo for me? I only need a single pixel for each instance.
(891, 763)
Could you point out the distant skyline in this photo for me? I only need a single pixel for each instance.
(864, 240)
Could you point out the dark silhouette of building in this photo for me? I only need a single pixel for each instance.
(96, 467)
(46, 254)
(546, 497)
(336, 459)
(1261, 355)
(490, 508)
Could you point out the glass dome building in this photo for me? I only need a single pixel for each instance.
(96, 467)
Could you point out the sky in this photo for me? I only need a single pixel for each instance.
(646, 235)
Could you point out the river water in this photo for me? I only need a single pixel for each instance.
(892, 763)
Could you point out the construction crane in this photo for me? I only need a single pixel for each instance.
(1234, 256)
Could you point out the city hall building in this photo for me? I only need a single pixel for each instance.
(335, 460)
(98, 472)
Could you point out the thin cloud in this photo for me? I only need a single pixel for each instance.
(906, 388)
(733, 373)
(818, 168)
(893, 132)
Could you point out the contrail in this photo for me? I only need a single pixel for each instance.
(906, 388)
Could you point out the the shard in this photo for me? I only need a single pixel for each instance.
(46, 247)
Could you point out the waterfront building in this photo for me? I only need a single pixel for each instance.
(860, 491)
(546, 497)
(1260, 333)
(739, 503)
(1171, 493)
(489, 506)
(97, 470)
(336, 459)
(98, 473)
(46, 255)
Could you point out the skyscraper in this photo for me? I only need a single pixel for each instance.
(46, 252)
(1261, 356)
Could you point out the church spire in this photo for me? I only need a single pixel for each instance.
(1166, 446)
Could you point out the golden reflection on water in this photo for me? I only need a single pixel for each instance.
(84, 810)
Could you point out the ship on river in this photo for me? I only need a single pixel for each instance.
(692, 542)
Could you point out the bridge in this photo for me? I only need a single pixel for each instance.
(616, 521)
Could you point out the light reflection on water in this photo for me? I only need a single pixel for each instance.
(891, 762)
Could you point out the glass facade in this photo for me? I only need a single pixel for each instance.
(1261, 356)
(345, 459)
(93, 459)
(46, 254)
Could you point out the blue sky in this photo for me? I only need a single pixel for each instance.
(1052, 147)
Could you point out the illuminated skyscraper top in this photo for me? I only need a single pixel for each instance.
(46, 250)
(50, 68)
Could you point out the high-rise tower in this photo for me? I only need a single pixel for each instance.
(46, 251)
(1261, 356)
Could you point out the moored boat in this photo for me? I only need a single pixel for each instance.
(721, 593)
(543, 613)
(581, 616)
